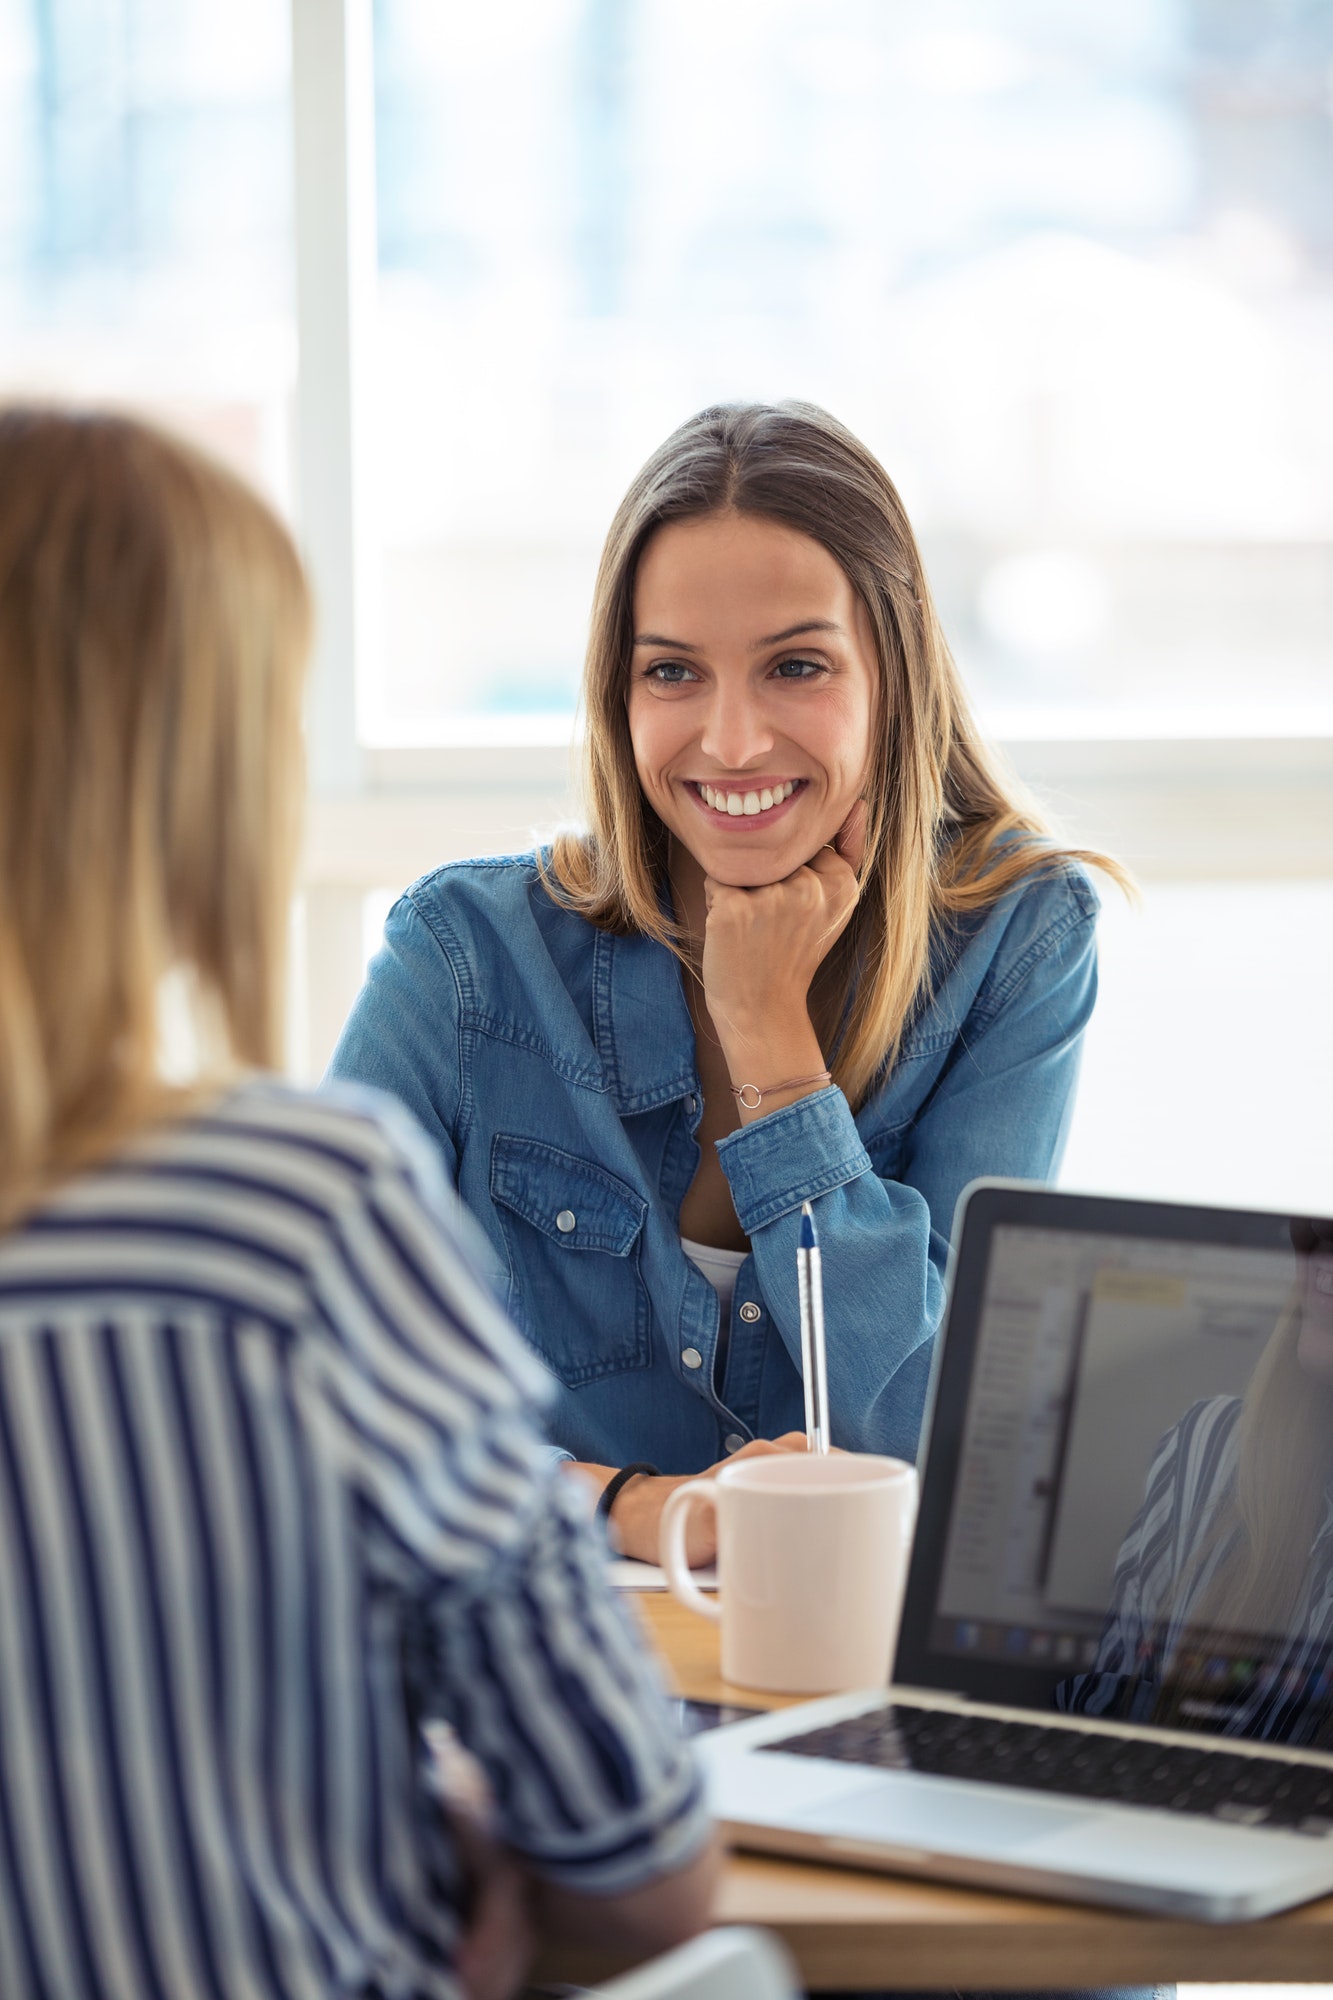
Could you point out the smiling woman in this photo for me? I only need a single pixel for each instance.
(752, 748)
(811, 946)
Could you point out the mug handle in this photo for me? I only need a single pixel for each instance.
(671, 1546)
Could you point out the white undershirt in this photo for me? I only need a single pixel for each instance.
(719, 1267)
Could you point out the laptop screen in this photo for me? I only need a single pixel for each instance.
(1127, 1503)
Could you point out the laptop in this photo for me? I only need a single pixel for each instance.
(1113, 1680)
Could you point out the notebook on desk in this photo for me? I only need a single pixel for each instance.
(1114, 1674)
(628, 1573)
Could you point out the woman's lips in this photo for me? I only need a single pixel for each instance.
(737, 806)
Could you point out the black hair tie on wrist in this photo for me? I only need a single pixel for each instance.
(612, 1489)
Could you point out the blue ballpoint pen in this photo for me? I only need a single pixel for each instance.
(810, 1284)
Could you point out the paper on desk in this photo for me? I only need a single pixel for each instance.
(626, 1573)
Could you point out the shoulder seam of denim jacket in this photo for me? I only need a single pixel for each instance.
(994, 993)
(424, 889)
(927, 1035)
(464, 1069)
(1065, 874)
(450, 945)
(523, 859)
(473, 1016)
(991, 1000)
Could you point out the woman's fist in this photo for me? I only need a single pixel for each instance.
(763, 947)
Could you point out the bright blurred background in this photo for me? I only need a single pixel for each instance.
(1067, 267)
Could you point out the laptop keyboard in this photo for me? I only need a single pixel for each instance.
(1251, 1791)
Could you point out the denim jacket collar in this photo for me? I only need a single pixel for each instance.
(641, 1023)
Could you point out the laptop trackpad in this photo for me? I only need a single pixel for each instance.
(941, 1816)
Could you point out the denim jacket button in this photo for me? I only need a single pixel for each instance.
(565, 1221)
(750, 1312)
(692, 1358)
(734, 1442)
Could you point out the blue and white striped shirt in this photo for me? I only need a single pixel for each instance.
(272, 1496)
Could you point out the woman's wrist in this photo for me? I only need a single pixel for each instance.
(780, 1068)
(630, 1523)
(639, 1468)
(638, 1515)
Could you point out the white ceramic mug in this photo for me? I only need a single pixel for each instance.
(811, 1562)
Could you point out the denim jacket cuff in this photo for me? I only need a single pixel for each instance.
(804, 1150)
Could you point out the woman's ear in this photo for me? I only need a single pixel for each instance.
(850, 839)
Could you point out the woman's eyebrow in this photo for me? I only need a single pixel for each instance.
(794, 632)
(772, 639)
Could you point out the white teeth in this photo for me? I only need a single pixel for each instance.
(737, 803)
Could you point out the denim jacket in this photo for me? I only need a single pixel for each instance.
(554, 1067)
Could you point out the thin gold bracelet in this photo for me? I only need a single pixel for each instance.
(756, 1096)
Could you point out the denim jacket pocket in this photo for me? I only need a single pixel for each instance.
(572, 1233)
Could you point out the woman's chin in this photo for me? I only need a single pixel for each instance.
(726, 863)
(735, 870)
(733, 876)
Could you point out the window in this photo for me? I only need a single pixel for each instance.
(1067, 270)
(1207, 1065)
(145, 215)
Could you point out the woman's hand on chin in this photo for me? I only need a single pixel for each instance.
(638, 1509)
(762, 949)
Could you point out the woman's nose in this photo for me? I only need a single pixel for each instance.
(736, 729)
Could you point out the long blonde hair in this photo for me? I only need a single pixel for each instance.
(154, 623)
(948, 830)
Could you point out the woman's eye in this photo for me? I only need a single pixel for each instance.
(798, 670)
(670, 673)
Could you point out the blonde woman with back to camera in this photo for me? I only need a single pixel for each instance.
(273, 1496)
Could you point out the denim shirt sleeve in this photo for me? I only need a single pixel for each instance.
(403, 1033)
(1000, 1106)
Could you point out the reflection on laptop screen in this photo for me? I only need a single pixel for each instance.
(1141, 1515)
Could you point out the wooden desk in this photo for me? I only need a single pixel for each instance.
(851, 1929)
